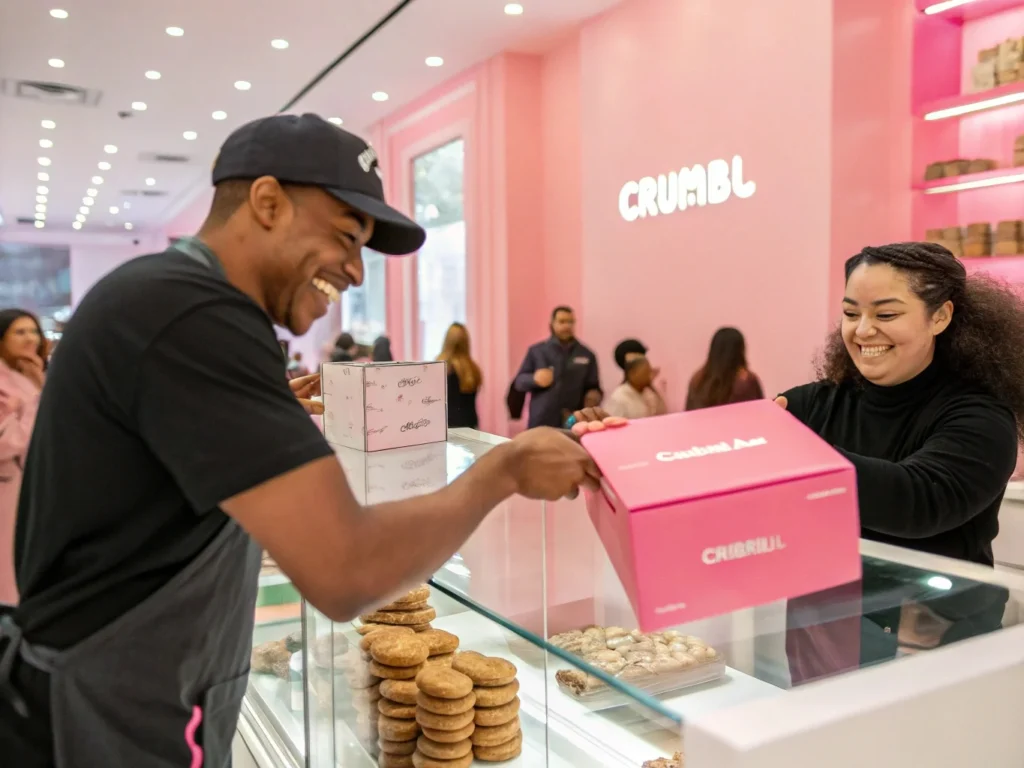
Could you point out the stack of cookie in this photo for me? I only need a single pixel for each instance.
(396, 656)
(1008, 238)
(444, 710)
(412, 610)
(442, 647)
(497, 736)
(398, 727)
(979, 240)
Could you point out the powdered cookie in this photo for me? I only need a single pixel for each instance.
(443, 722)
(399, 649)
(441, 751)
(397, 747)
(398, 711)
(449, 737)
(502, 752)
(487, 671)
(439, 641)
(393, 729)
(444, 683)
(387, 760)
(495, 697)
(378, 631)
(422, 616)
(399, 691)
(419, 760)
(445, 706)
(491, 716)
(441, 660)
(394, 673)
(498, 734)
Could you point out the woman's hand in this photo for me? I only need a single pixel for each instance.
(782, 401)
(31, 367)
(305, 387)
(594, 420)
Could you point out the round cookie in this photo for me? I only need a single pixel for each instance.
(495, 697)
(394, 673)
(441, 660)
(366, 628)
(486, 671)
(491, 716)
(445, 706)
(399, 691)
(388, 760)
(422, 616)
(393, 729)
(417, 595)
(397, 747)
(444, 683)
(449, 737)
(378, 631)
(495, 735)
(417, 606)
(441, 751)
(399, 711)
(440, 641)
(499, 754)
(443, 722)
(420, 627)
(399, 649)
(419, 760)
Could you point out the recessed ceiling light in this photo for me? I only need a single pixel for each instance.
(87, 200)
(59, 13)
(43, 176)
(45, 143)
(379, 96)
(56, 63)
(83, 209)
(114, 209)
(126, 205)
(243, 85)
(514, 9)
(79, 217)
(41, 207)
(40, 198)
(110, 149)
(103, 165)
(279, 44)
(153, 74)
(48, 124)
(128, 225)
(76, 225)
(190, 135)
(434, 61)
(219, 115)
(150, 182)
(40, 217)
(40, 224)
(44, 161)
(335, 120)
(42, 190)
(91, 192)
(175, 31)
(97, 179)
(139, 106)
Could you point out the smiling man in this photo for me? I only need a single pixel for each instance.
(169, 449)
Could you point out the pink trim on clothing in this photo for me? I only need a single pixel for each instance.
(190, 737)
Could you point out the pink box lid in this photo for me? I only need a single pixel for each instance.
(685, 456)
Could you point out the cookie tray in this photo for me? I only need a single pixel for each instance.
(606, 697)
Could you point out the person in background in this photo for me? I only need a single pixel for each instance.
(626, 352)
(296, 367)
(724, 377)
(345, 349)
(631, 399)
(22, 373)
(382, 350)
(464, 377)
(560, 374)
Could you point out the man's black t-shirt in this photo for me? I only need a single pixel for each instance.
(166, 396)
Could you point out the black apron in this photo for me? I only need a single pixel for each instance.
(162, 685)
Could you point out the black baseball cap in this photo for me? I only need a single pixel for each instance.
(306, 149)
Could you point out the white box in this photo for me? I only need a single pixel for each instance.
(400, 473)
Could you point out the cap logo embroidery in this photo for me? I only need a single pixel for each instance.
(368, 158)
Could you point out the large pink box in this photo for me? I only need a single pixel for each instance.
(712, 511)
(377, 406)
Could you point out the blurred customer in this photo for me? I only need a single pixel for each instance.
(633, 398)
(560, 374)
(22, 372)
(724, 378)
(296, 367)
(626, 352)
(464, 377)
(382, 350)
(345, 349)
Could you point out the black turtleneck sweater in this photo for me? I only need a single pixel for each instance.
(933, 456)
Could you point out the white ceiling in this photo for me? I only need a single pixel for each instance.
(108, 45)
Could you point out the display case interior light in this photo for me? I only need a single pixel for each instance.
(931, 10)
(976, 184)
(977, 106)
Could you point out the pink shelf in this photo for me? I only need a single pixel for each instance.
(978, 9)
(995, 98)
(988, 179)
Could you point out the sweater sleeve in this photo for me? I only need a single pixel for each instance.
(961, 469)
(16, 420)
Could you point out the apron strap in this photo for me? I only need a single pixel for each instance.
(12, 632)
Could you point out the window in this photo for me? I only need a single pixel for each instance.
(438, 179)
(37, 279)
(363, 309)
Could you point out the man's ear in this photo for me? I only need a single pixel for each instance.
(268, 202)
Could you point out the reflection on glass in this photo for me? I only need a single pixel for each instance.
(438, 181)
(363, 308)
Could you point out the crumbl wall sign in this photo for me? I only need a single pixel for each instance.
(691, 187)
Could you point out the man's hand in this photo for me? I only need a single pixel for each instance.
(544, 377)
(306, 387)
(547, 464)
(31, 367)
(595, 420)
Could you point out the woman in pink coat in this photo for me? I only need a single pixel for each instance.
(22, 372)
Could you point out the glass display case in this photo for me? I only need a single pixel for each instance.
(872, 670)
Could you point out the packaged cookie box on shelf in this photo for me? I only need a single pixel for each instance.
(655, 662)
(1008, 237)
(377, 406)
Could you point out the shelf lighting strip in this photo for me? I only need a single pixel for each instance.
(964, 109)
(931, 10)
(980, 183)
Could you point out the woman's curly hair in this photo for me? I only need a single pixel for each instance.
(984, 342)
